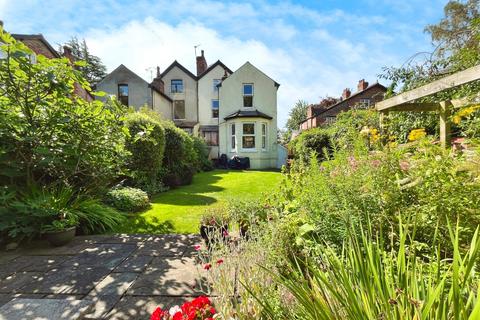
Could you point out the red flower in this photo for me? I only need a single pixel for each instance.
(225, 233)
(197, 247)
(212, 311)
(158, 314)
(207, 266)
(219, 261)
(177, 316)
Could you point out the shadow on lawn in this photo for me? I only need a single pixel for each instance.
(185, 199)
(138, 224)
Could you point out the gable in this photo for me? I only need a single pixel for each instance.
(248, 68)
(122, 74)
(176, 64)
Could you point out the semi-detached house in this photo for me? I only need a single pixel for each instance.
(235, 112)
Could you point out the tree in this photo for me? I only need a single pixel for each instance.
(94, 70)
(48, 135)
(297, 115)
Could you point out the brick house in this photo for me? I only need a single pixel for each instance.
(326, 113)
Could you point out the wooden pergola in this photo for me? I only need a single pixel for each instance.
(406, 101)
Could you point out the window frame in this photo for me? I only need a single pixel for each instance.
(233, 137)
(207, 141)
(216, 82)
(217, 109)
(249, 135)
(264, 135)
(121, 97)
(176, 86)
(184, 111)
(250, 95)
(330, 119)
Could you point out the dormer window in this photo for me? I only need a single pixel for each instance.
(176, 86)
(248, 95)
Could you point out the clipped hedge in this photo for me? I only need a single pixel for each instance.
(128, 199)
(146, 145)
(202, 150)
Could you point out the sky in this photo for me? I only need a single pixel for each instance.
(312, 48)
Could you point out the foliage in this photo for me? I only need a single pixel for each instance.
(49, 134)
(316, 140)
(365, 282)
(146, 144)
(215, 216)
(93, 69)
(202, 151)
(180, 160)
(95, 217)
(297, 114)
(128, 199)
(344, 131)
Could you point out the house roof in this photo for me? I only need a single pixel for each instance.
(177, 64)
(248, 63)
(376, 84)
(248, 114)
(21, 37)
(210, 68)
(121, 66)
(160, 92)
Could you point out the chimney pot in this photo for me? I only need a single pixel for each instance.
(346, 93)
(201, 64)
(67, 53)
(362, 85)
(202, 53)
(158, 72)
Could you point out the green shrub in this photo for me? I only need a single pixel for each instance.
(316, 140)
(96, 217)
(180, 160)
(146, 144)
(202, 151)
(58, 137)
(128, 199)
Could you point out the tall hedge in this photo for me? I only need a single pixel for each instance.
(146, 144)
(181, 160)
(316, 140)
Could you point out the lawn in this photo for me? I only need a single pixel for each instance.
(179, 210)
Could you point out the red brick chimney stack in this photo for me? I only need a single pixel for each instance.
(157, 82)
(201, 64)
(362, 85)
(346, 93)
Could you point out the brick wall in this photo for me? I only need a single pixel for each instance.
(39, 47)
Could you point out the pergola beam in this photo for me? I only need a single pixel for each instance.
(414, 107)
(448, 82)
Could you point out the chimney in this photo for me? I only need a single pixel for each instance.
(309, 111)
(362, 85)
(157, 82)
(201, 64)
(346, 93)
(67, 53)
(225, 75)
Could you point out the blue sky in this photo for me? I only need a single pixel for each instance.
(312, 48)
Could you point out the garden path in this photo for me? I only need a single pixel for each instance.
(100, 277)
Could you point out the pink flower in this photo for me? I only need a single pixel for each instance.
(225, 233)
(197, 247)
(207, 266)
(219, 261)
(404, 165)
(376, 163)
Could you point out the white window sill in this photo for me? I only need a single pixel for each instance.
(180, 119)
(248, 150)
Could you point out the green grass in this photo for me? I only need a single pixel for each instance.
(179, 210)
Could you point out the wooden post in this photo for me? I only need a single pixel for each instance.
(382, 122)
(445, 124)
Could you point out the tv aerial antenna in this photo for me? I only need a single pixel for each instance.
(195, 47)
(150, 69)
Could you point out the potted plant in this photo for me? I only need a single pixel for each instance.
(61, 230)
(214, 225)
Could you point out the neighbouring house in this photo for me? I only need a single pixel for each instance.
(248, 116)
(129, 88)
(40, 46)
(365, 97)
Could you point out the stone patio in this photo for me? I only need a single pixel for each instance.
(100, 277)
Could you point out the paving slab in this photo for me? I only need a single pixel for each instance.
(134, 264)
(102, 305)
(115, 284)
(67, 281)
(35, 309)
(168, 277)
(106, 255)
(15, 282)
(140, 308)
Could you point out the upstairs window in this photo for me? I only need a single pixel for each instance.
(123, 94)
(248, 136)
(176, 86)
(216, 82)
(363, 104)
(248, 95)
(215, 107)
(330, 119)
(179, 109)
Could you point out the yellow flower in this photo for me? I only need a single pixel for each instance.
(416, 134)
(465, 112)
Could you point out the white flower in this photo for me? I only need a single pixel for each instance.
(174, 310)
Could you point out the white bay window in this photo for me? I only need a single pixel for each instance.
(248, 135)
